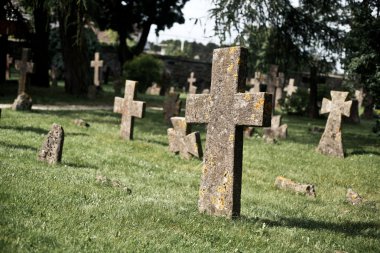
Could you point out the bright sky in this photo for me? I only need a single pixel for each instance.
(202, 31)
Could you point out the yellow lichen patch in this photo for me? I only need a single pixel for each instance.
(231, 138)
(259, 104)
(220, 203)
(202, 192)
(221, 189)
(210, 160)
(230, 68)
(232, 50)
(247, 97)
(204, 169)
(182, 124)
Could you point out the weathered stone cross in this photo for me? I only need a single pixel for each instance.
(8, 70)
(182, 141)
(129, 109)
(226, 112)
(96, 64)
(290, 89)
(331, 140)
(24, 67)
(172, 106)
(191, 80)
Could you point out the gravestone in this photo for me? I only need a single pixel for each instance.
(290, 89)
(331, 140)
(276, 131)
(24, 67)
(53, 76)
(359, 95)
(172, 106)
(96, 64)
(182, 141)
(129, 109)
(23, 102)
(279, 86)
(8, 67)
(226, 110)
(255, 83)
(171, 90)
(191, 80)
(354, 113)
(153, 90)
(51, 151)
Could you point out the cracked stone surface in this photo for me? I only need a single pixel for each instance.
(129, 109)
(172, 106)
(331, 140)
(226, 110)
(182, 141)
(51, 150)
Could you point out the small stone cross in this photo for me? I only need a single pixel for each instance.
(154, 89)
(290, 89)
(331, 140)
(8, 67)
(129, 109)
(226, 111)
(96, 64)
(191, 80)
(172, 106)
(182, 141)
(24, 67)
(276, 130)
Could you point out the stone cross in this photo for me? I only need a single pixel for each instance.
(172, 106)
(24, 67)
(153, 90)
(191, 80)
(182, 141)
(51, 150)
(331, 140)
(96, 64)
(290, 89)
(276, 130)
(226, 110)
(8, 67)
(129, 109)
(255, 83)
(279, 85)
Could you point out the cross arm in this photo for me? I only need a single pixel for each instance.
(198, 108)
(138, 109)
(118, 105)
(253, 109)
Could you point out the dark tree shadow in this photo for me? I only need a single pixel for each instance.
(365, 229)
(80, 165)
(36, 130)
(20, 146)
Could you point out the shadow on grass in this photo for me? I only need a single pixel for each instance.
(363, 152)
(36, 130)
(80, 165)
(76, 134)
(22, 147)
(366, 229)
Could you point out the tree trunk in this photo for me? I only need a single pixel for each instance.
(40, 76)
(3, 57)
(122, 49)
(313, 106)
(368, 107)
(76, 63)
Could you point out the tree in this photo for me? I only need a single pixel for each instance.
(363, 49)
(134, 18)
(311, 30)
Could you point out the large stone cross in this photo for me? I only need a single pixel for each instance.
(8, 67)
(129, 109)
(226, 110)
(24, 67)
(191, 80)
(331, 140)
(96, 64)
(290, 89)
(182, 141)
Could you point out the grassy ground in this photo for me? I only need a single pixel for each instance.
(63, 209)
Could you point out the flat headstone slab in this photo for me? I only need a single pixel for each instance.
(331, 140)
(182, 141)
(129, 109)
(172, 106)
(226, 112)
(51, 150)
(276, 131)
(23, 102)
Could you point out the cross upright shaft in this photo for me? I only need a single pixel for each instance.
(226, 112)
(24, 67)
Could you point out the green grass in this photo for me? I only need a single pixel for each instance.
(63, 209)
